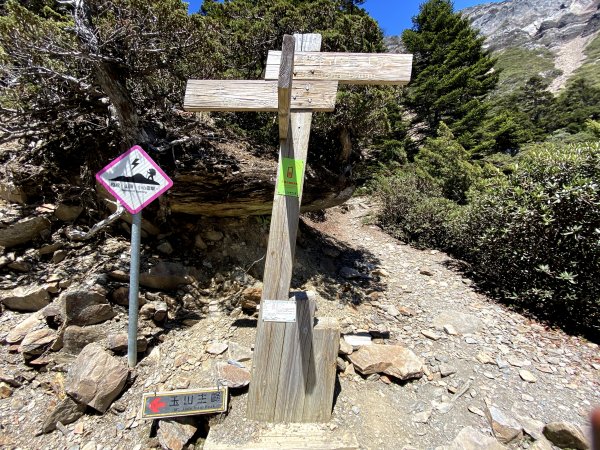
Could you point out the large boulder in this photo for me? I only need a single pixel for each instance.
(23, 231)
(96, 378)
(393, 360)
(25, 298)
(83, 305)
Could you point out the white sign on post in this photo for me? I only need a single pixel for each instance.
(279, 310)
(134, 179)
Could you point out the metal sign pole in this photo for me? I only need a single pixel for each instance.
(134, 275)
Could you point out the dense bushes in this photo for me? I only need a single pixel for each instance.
(532, 237)
(413, 209)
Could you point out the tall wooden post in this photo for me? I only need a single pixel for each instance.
(294, 363)
(284, 378)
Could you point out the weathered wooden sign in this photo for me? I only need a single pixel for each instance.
(187, 402)
(347, 68)
(294, 364)
(256, 95)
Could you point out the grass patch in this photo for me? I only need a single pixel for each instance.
(518, 65)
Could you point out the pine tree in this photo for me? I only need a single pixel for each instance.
(452, 73)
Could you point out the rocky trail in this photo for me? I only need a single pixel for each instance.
(427, 362)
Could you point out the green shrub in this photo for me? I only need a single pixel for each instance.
(413, 209)
(534, 236)
(446, 164)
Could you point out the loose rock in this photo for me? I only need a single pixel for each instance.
(526, 375)
(23, 231)
(216, 348)
(505, 427)
(66, 412)
(566, 435)
(29, 298)
(233, 376)
(462, 323)
(96, 378)
(471, 439)
(174, 434)
(17, 334)
(85, 305)
(393, 360)
(36, 342)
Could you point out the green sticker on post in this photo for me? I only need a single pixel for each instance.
(290, 177)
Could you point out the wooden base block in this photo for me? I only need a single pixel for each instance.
(284, 436)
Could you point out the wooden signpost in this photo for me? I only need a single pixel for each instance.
(294, 363)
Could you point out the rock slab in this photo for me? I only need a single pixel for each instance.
(505, 427)
(86, 306)
(29, 298)
(96, 378)
(471, 439)
(23, 231)
(66, 412)
(566, 435)
(393, 360)
(174, 434)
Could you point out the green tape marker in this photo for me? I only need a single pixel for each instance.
(291, 177)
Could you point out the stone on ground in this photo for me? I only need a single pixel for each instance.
(471, 439)
(505, 427)
(85, 305)
(67, 411)
(36, 342)
(393, 360)
(232, 375)
(25, 298)
(5, 390)
(75, 338)
(23, 231)
(566, 435)
(216, 348)
(238, 352)
(462, 323)
(174, 434)
(19, 332)
(118, 342)
(526, 375)
(96, 377)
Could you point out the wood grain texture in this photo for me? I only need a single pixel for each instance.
(257, 95)
(297, 363)
(306, 436)
(347, 68)
(318, 401)
(284, 88)
(270, 336)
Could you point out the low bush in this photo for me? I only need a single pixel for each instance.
(413, 209)
(534, 236)
(531, 234)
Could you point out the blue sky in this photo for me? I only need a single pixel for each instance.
(393, 16)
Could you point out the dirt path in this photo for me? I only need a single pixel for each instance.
(475, 353)
(493, 345)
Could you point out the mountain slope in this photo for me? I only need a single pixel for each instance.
(559, 30)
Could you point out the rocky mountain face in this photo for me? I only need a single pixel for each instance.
(534, 23)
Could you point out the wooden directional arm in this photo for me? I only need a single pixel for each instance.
(347, 68)
(284, 88)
